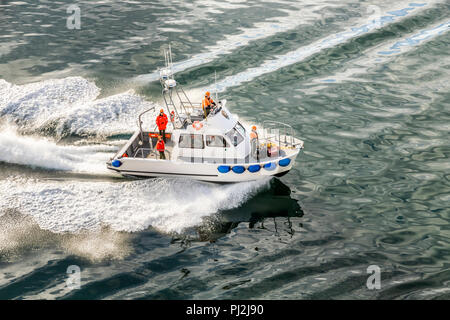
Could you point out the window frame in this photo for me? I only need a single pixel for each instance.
(230, 135)
(227, 145)
(192, 139)
(238, 124)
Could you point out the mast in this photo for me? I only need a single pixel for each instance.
(174, 96)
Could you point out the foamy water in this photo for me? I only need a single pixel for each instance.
(45, 153)
(169, 205)
(70, 106)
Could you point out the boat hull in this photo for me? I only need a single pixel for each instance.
(146, 168)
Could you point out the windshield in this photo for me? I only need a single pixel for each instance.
(235, 136)
(240, 128)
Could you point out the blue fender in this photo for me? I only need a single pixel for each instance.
(238, 169)
(254, 168)
(116, 163)
(223, 169)
(284, 162)
(270, 166)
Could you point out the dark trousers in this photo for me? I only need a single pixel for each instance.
(207, 110)
(162, 155)
(163, 134)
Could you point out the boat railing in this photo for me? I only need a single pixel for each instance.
(277, 132)
(141, 151)
(144, 152)
(140, 122)
(196, 105)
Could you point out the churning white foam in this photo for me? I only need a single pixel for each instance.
(69, 106)
(40, 101)
(169, 205)
(45, 153)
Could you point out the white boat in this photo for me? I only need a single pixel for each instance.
(215, 148)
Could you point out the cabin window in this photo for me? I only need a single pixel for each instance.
(234, 136)
(192, 141)
(216, 141)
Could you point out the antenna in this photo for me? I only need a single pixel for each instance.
(165, 57)
(215, 81)
(170, 56)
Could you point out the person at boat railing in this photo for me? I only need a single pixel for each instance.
(207, 104)
(254, 140)
(160, 147)
(161, 122)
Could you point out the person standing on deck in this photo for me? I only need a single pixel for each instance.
(161, 122)
(160, 147)
(207, 104)
(254, 141)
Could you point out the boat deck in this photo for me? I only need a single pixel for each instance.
(140, 149)
(144, 150)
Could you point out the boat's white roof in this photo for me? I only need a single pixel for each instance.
(221, 122)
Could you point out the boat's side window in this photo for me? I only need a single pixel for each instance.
(235, 137)
(192, 141)
(216, 141)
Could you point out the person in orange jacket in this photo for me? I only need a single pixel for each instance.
(160, 147)
(207, 103)
(161, 122)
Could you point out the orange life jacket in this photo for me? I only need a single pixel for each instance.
(207, 102)
(160, 146)
(161, 121)
(253, 135)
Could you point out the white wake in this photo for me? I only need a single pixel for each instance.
(169, 205)
(69, 106)
(45, 153)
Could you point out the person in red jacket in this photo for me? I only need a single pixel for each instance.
(161, 122)
(160, 147)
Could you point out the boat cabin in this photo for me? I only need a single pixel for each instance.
(218, 138)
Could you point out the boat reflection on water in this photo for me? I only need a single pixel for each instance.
(274, 203)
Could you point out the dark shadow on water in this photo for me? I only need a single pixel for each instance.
(274, 202)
